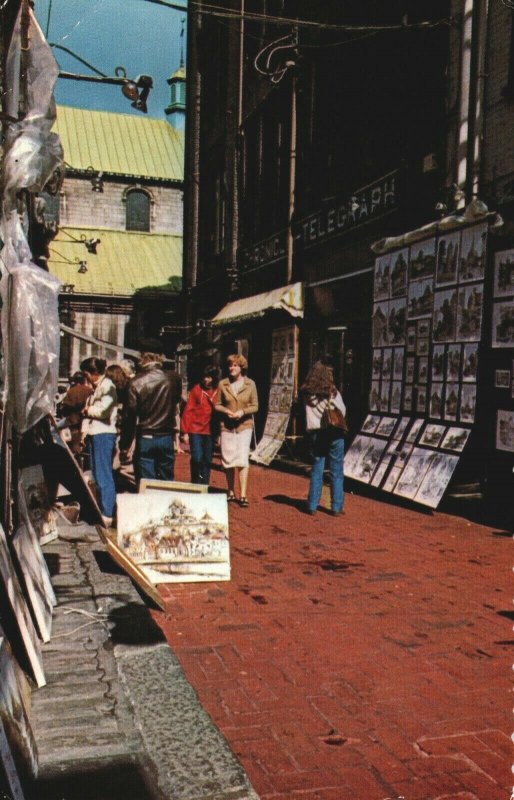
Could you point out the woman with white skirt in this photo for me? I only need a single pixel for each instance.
(236, 403)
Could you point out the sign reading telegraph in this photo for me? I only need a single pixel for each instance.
(363, 205)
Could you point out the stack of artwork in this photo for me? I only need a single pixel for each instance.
(175, 536)
(408, 457)
(427, 324)
(281, 395)
(502, 339)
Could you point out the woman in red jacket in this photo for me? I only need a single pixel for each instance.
(197, 424)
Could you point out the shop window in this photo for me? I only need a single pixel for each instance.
(137, 210)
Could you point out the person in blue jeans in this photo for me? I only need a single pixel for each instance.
(149, 416)
(198, 424)
(318, 392)
(99, 430)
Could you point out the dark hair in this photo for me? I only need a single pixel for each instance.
(94, 365)
(78, 377)
(319, 381)
(117, 375)
(211, 372)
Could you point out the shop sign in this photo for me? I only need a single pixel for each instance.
(265, 252)
(362, 206)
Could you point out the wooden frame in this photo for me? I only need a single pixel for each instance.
(126, 563)
(153, 484)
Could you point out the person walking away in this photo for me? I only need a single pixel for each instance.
(236, 402)
(197, 424)
(99, 428)
(149, 416)
(318, 391)
(71, 407)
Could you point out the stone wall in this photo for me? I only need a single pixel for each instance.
(79, 205)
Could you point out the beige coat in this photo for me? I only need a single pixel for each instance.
(246, 401)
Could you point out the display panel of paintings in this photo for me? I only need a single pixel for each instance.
(20, 613)
(17, 744)
(505, 430)
(504, 274)
(472, 254)
(448, 251)
(503, 324)
(175, 537)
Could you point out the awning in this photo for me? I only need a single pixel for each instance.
(287, 298)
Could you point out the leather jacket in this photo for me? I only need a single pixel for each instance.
(151, 405)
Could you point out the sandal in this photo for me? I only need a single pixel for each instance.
(243, 502)
(231, 498)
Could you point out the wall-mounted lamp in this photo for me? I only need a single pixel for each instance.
(68, 288)
(96, 179)
(82, 267)
(90, 244)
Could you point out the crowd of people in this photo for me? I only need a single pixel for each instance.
(137, 410)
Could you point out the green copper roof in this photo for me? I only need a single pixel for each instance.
(120, 144)
(126, 261)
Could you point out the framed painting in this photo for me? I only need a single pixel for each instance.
(453, 363)
(473, 253)
(379, 324)
(469, 313)
(505, 431)
(374, 396)
(376, 365)
(445, 315)
(400, 429)
(370, 423)
(414, 431)
(398, 359)
(381, 471)
(386, 426)
(423, 370)
(421, 299)
(503, 324)
(422, 260)
(432, 435)
(436, 480)
(410, 362)
(502, 379)
(399, 266)
(396, 321)
(33, 486)
(387, 364)
(365, 459)
(396, 397)
(392, 479)
(17, 606)
(414, 472)
(470, 362)
(408, 397)
(410, 343)
(423, 328)
(448, 250)
(422, 400)
(382, 283)
(175, 536)
(436, 400)
(468, 399)
(438, 362)
(451, 401)
(504, 274)
(455, 439)
(14, 712)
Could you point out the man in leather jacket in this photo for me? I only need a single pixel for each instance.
(149, 415)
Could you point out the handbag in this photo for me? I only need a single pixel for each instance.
(333, 419)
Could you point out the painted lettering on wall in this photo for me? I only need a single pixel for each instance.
(364, 204)
(265, 252)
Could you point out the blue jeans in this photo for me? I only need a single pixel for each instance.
(101, 453)
(324, 445)
(154, 457)
(200, 446)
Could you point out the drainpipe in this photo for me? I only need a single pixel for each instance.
(236, 164)
(479, 123)
(464, 133)
(292, 179)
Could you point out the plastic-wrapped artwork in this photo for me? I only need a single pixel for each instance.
(30, 334)
(32, 154)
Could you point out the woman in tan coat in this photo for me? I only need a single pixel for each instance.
(236, 403)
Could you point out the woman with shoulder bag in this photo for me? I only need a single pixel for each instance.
(325, 414)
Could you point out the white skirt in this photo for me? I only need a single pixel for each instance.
(235, 448)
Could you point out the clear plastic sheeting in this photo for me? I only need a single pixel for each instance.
(32, 153)
(30, 334)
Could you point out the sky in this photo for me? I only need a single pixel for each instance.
(136, 34)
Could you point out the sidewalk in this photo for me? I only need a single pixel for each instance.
(354, 658)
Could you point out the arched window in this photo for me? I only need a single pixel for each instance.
(137, 210)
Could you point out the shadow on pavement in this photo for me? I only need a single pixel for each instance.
(285, 500)
(133, 625)
(114, 781)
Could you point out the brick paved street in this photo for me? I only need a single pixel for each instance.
(354, 658)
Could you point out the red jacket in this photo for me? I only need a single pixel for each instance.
(198, 411)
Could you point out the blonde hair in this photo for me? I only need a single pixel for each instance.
(240, 361)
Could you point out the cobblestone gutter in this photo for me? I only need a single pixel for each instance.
(117, 718)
